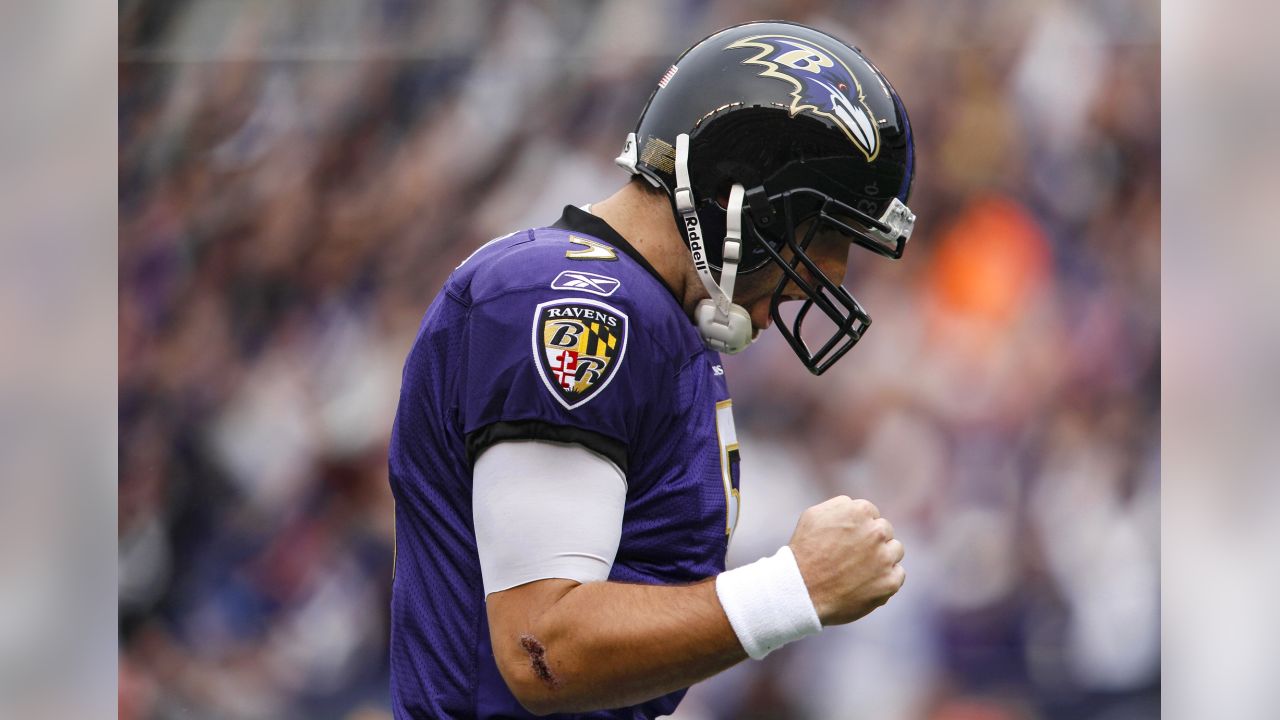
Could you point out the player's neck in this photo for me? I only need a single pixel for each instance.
(646, 221)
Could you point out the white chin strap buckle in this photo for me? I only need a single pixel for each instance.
(724, 326)
(731, 336)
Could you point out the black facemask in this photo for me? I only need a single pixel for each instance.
(774, 227)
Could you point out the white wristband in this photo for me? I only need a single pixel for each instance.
(767, 603)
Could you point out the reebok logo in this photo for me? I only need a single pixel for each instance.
(601, 285)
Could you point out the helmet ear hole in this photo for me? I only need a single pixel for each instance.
(713, 215)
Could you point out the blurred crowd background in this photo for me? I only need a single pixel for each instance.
(298, 177)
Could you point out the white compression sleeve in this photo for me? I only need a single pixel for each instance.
(545, 510)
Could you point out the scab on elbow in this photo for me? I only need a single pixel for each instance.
(531, 678)
(538, 662)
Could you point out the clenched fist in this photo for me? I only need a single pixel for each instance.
(848, 557)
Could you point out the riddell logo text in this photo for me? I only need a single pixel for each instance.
(695, 242)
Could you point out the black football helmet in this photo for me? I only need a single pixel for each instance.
(756, 130)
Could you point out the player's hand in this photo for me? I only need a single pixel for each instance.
(848, 557)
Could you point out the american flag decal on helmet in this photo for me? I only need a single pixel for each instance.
(666, 76)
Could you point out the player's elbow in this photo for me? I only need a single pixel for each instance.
(534, 694)
(542, 702)
(537, 703)
(544, 686)
(534, 658)
(529, 675)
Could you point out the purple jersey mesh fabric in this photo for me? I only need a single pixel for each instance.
(541, 335)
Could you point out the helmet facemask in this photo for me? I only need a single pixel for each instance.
(787, 248)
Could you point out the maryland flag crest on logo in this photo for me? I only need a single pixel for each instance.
(578, 345)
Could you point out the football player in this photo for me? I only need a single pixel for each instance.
(564, 460)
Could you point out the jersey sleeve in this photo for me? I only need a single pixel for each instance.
(558, 368)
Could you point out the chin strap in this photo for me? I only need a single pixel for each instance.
(724, 326)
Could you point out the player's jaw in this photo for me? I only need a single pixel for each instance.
(829, 251)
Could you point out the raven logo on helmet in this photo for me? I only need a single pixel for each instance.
(822, 84)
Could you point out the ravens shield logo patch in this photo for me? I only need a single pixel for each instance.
(578, 345)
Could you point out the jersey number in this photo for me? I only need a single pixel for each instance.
(728, 461)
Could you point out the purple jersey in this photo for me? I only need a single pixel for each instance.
(566, 334)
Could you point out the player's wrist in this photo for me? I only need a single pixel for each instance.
(768, 603)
